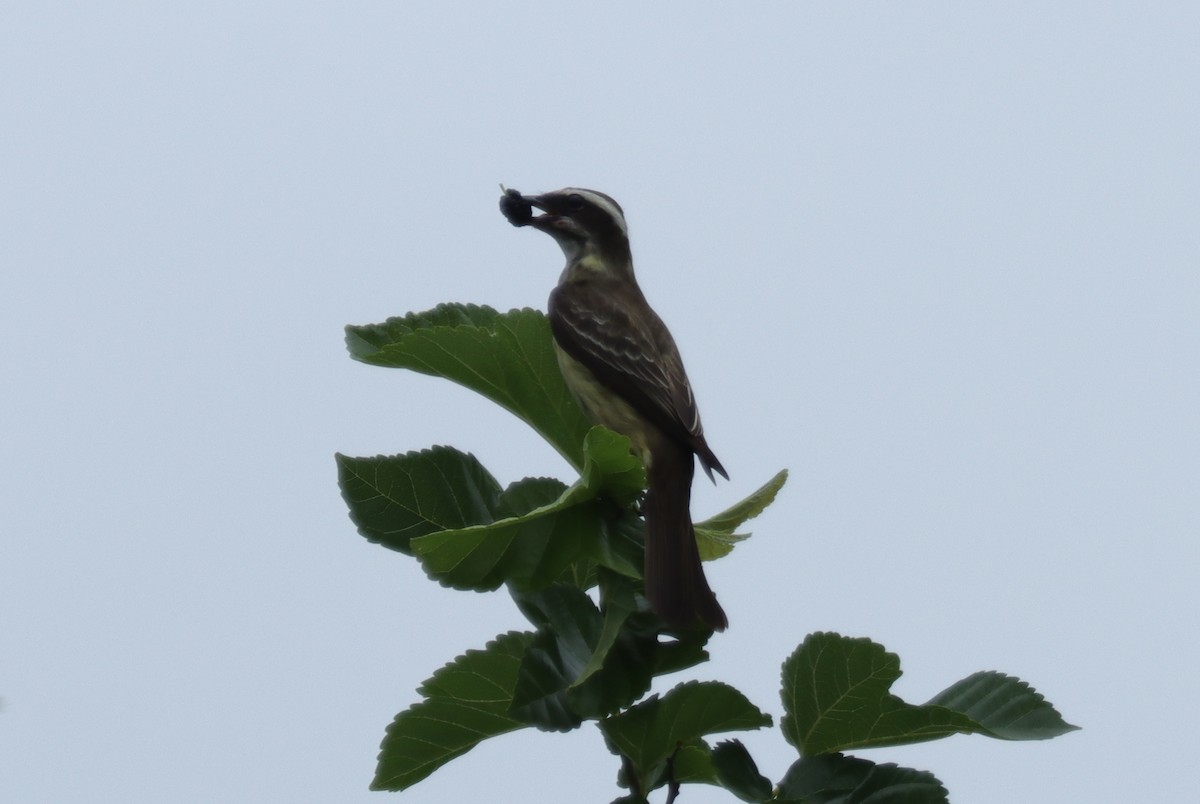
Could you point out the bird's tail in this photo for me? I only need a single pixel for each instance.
(675, 583)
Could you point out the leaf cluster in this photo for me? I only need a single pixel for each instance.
(571, 558)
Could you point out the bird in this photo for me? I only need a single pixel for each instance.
(621, 364)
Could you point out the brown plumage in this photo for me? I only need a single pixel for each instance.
(621, 363)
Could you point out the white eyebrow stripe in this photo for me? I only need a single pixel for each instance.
(604, 202)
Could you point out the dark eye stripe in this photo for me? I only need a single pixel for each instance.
(607, 205)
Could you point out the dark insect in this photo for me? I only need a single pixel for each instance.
(515, 208)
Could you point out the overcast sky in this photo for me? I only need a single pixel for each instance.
(940, 260)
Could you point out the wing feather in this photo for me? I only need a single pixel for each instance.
(611, 329)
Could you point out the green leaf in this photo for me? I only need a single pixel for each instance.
(394, 499)
(466, 702)
(625, 676)
(622, 549)
(836, 696)
(1006, 707)
(693, 764)
(737, 772)
(619, 603)
(686, 650)
(610, 470)
(543, 535)
(629, 625)
(689, 764)
(836, 779)
(528, 551)
(528, 495)
(568, 627)
(715, 535)
(648, 733)
(508, 358)
(573, 670)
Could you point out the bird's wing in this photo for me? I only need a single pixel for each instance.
(621, 340)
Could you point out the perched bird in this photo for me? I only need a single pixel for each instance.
(621, 363)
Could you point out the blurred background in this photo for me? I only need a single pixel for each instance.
(940, 260)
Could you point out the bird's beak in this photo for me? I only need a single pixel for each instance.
(518, 209)
(547, 219)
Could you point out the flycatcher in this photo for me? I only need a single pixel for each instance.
(622, 365)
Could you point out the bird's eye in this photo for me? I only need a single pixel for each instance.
(574, 202)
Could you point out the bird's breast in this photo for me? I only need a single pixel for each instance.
(603, 406)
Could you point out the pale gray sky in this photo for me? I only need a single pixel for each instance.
(941, 260)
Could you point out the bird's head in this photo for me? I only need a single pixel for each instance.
(587, 225)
